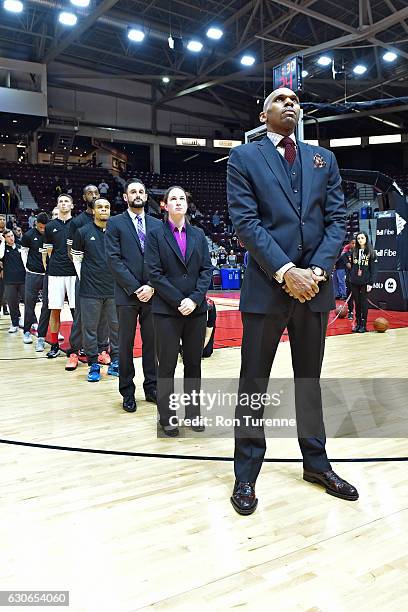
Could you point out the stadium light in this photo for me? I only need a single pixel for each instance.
(14, 6)
(247, 60)
(390, 56)
(165, 80)
(68, 19)
(136, 35)
(324, 60)
(195, 46)
(80, 3)
(359, 69)
(214, 33)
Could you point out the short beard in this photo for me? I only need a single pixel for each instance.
(136, 204)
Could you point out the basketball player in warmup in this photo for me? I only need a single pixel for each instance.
(96, 289)
(90, 194)
(14, 275)
(31, 253)
(61, 270)
(3, 303)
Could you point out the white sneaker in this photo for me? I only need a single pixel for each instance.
(21, 322)
(40, 345)
(27, 339)
(12, 329)
(34, 326)
(61, 338)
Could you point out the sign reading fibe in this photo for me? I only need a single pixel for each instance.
(386, 243)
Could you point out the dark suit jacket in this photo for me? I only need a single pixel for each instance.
(125, 257)
(267, 221)
(175, 278)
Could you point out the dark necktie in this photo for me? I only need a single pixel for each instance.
(290, 149)
(140, 232)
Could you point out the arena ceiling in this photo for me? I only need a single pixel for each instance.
(351, 32)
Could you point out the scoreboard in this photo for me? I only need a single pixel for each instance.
(289, 74)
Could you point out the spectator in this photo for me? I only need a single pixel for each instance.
(232, 259)
(18, 232)
(214, 260)
(222, 257)
(103, 189)
(31, 220)
(339, 278)
(216, 220)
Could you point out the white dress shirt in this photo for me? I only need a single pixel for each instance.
(134, 217)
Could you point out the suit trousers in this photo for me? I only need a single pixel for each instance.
(33, 286)
(94, 313)
(127, 317)
(261, 336)
(13, 294)
(169, 330)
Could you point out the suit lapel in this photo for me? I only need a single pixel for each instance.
(271, 155)
(306, 160)
(190, 236)
(168, 234)
(129, 221)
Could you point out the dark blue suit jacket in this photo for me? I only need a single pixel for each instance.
(125, 258)
(267, 221)
(175, 278)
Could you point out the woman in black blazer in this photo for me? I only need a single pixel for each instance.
(179, 269)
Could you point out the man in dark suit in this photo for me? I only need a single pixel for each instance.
(126, 238)
(287, 208)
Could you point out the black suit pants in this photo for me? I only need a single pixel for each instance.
(169, 330)
(261, 336)
(127, 317)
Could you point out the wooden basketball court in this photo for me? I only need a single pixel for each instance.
(127, 532)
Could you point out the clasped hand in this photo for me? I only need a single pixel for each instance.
(187, 306)
(301, 284)
(144, 293)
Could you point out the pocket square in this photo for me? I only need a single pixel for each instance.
(318, 161)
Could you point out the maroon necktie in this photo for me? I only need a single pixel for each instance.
(290, 149)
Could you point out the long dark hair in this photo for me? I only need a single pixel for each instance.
(166, 197)
(368, 249)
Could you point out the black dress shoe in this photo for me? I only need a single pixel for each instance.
(129, 403)
(151, 396)
(197, 424)
(333, 483)
(198, 428)
(171, 431)
(243, 498)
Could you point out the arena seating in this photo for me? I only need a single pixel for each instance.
(207, 188)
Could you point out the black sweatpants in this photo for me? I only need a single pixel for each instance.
(33, 286)
(13, 294)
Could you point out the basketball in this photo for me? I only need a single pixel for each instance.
(341, 311)
(381, 325)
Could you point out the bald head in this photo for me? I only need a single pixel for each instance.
(281, 111)
(281, 91)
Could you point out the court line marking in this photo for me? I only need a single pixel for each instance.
(98, 451)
